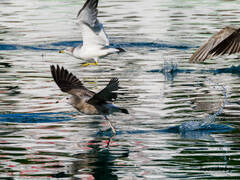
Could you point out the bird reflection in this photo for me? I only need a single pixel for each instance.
(206, 103)
(5, 64)
(99, 160)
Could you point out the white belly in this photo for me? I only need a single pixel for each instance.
(92, 52)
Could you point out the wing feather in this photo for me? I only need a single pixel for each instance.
(94, 36)
(69, 83)
(206, 50)
(106, 94)
(93, 33)
(229, 45)
(88, 13)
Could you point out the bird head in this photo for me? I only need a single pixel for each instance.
(68, 50)
(65, 100)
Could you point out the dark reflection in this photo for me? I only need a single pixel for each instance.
(98, 162)
(4, 64)
(12, 90)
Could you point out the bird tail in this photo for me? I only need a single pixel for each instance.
(122, 110)
(114, 108)
(120, 50)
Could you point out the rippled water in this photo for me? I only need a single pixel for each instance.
(161, 90)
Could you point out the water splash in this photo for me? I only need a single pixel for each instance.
(170, 70)
(207, 122)
(197, 129)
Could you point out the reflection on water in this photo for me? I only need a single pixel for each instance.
(161, 90)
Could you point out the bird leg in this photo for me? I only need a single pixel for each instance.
(87, 64)
(109, 141)
(110, 124)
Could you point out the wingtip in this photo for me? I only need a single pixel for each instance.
(51, 67)
(125, 111)
(191, 60)
(121, 50)
(115, 81)
(64, 79)
(93, 3)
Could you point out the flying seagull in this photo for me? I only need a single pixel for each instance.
(84, 100)
(226, 41)
(95, 41)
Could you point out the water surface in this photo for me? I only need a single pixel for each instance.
(39, 138)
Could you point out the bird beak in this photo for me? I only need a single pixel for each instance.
(61, 51)
(61, 100)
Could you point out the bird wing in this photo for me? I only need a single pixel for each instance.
(69, 83)
(106, 94)
(230, 45)
(204, 51)
(93, 33)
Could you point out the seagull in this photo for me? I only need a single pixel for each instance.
(84, 100)
(95, 40)
(226, 41)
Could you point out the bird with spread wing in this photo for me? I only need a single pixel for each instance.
(95, 41)
(226, 41)
(84, 100)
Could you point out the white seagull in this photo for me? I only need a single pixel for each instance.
(95, 41)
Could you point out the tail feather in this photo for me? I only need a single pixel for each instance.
(120, 50)
(124, 110)
(112, 108)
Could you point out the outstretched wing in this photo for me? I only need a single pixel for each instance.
(106, 94)
(69, 83)
(93, 33)
(230, 45)
(205, 52)
(88, 13)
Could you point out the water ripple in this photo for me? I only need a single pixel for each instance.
(47, 47)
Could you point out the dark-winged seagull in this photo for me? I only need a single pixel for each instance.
(84, 100)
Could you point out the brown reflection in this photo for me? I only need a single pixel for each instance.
(208, 97)
(207, 102)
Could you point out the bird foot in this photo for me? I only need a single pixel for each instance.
(87, 64)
